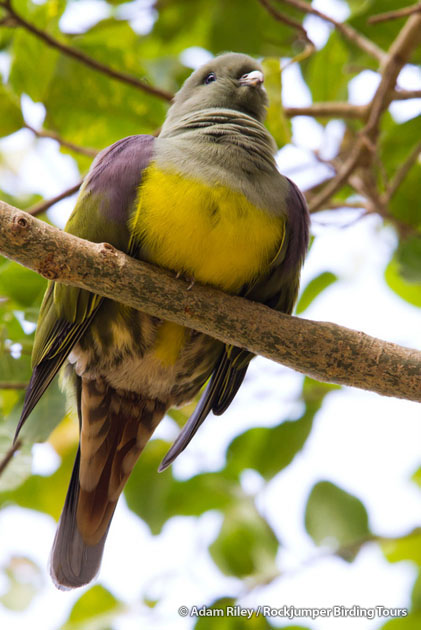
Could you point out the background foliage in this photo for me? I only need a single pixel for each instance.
(86, 110)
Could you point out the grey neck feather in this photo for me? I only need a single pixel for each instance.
(224, 147)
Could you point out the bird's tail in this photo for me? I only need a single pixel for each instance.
(115, 426)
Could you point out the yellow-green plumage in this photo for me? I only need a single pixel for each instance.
(211, 233)
(206, 200)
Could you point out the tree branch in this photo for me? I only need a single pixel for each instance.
(401, 173)
(285, 19)
(64, 143)
(7, 385)
(329, 110)
(42, 206)
(324, 351)
(393, 15)
(345, 29)
(85, 59)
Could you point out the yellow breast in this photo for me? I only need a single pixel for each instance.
(210, 233)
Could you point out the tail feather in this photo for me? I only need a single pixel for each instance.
(115, 427)
(73, 563)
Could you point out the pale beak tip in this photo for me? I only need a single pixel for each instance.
(254, 78)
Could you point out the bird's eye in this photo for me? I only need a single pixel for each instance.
(210, 78)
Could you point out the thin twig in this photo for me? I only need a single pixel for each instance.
(329, 110)
(42, 206)
(345, 29)
(401, 173)
(64, 143)
(333, 185)
(9, 455)
(8, 385)
(394, 15)
(403, 95)
(285, 19)
(85, 59)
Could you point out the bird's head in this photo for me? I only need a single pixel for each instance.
(230, 81)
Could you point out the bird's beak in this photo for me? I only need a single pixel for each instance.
(254, 78)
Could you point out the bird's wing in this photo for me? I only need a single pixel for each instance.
(100, 215)
(278, 289)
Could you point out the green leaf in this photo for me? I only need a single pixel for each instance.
(276, 121)
(269, 450)
(22, 285)
(103, 110)
(316, 286)
(11, 118)
(416, 477)
(19, 467)
(416, 595)
(408, 256)
(147, 490)
(408, 291)
(48, 412)
(94, 610)
(156, 497)
(336, 518)
(325, 71)
(397, 140)
(412, 622)
(43, 494)
(246, 545)
(33, 65)
(405, 548)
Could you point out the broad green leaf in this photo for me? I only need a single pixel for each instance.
(325, 71)
(404, 204)
(103, 110)
(94, 610)
(408, 256)
(411, 622)
(416, 477)
(416, 595)
(40, 493)
(408, 291)
(19, 467)
(246, 545)
(14, 370)
(276, 121)
(48, 412)
(156, 497)
(269, 450)
(22, 285)
(33, 65)
(336, 518)
(405, 548)
(24, 580)
(11, 118)
(397, 140)
(147, 490)
(316, 286)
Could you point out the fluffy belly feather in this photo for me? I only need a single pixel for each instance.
(211, 233)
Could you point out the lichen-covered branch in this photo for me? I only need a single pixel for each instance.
(323, 350)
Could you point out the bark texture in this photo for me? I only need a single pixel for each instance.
(325, 351)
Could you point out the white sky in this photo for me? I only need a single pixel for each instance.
(366, 444)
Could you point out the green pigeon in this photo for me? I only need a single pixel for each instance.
(205, 200)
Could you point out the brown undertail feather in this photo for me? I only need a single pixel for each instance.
(116, 426)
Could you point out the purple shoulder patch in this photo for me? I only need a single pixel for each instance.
(116, 174)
